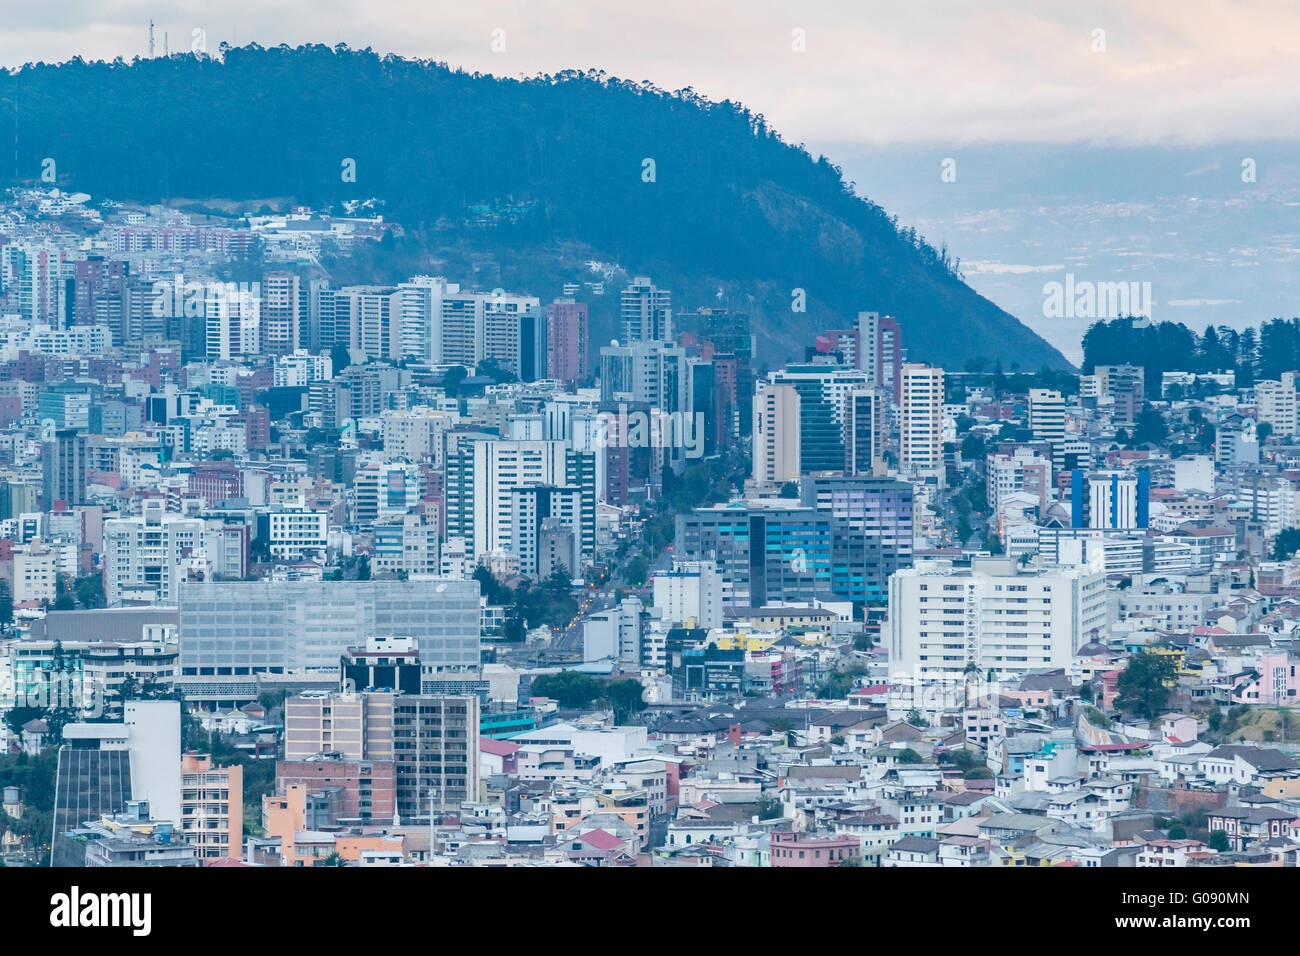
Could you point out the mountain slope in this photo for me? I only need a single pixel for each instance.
(731, 206)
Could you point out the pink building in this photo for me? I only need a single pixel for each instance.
(1272, 682)
(800, 850)
(1178, 728)
(566, 340)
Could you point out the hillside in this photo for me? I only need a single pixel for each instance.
(732, 208)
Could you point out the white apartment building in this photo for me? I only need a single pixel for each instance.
(1276, 401)
(1047, 414)
(921, 423)
(1021, 471)
(151, 554)
(776, 434)
(994, 614)
(456, 560)
(232, 316)
(415, 434)
(499, 468)
(422, 316)
(1113, 501)
(692, 590)
(374, 320)
(408, 544)
(296, 533)
(302, 368)
(36, 572)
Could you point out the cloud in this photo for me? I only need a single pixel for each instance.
(1005, 268)
(959, 71)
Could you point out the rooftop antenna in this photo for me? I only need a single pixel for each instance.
(166, 51)
(151, 39)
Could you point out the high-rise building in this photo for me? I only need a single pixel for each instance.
(1047, 414)
(436, 749)
(690, 591)
(373, 318)
(386, 491)
(514, 339)
(36, 568)
(63, 466)
(848, 545)
(776, 434)
(567, 342)
(541, 516)
(866, 428)
(879, 345)
(422, 316)
(650, 373)
(1124, 386)
(324, 330)
(1113, 500)
(284, 306)
(100, 295)
(232, 316)
(646, 312)
(921, 422)
(466, 319)
(212, 807)
(406, 545)
(823, 392)
(482, 476)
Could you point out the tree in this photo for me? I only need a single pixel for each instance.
(340, 357)
(626, 698)
(1150, 428)
(559, 580)
(915, 718)
(573, 690)
(63, 599)
(637, 570)
(1219, 841)
(1145, 682)
(908, 755)
(770, 808)
(1286, 544)
(90, 591)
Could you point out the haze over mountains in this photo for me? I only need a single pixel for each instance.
(730, 211)
(1216, 250)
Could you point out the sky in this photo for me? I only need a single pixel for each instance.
(1104, 139)
(952, 71)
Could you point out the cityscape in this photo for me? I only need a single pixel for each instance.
(427, 520)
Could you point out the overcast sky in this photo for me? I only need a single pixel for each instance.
(959, 71)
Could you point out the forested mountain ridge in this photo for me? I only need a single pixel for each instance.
(698, 194)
